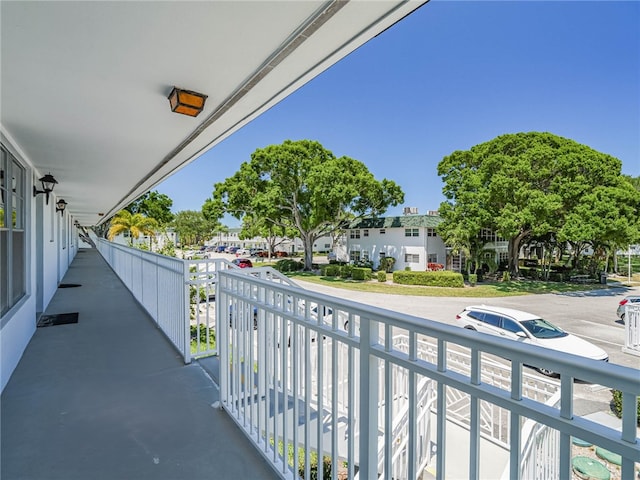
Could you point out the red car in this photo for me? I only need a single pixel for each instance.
(242, 262)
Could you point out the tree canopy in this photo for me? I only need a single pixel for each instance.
(153, 205)
(134, 224)
(300, 185)
(193, 226)
(530, 185)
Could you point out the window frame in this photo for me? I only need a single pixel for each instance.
(13, 231)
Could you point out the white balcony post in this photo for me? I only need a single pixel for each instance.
(368, 400)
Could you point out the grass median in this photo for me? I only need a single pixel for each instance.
(482, 290)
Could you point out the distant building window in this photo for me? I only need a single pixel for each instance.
(365, 255)
(431, 232)
(365, 233)
(411, 258)
(411, 232)
(354, 255)
(327, 245)
(382, 231)
(354, 234)
(432, 258)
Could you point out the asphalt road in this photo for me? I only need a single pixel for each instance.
(590, 315)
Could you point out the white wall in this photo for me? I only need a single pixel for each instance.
(393, 243)
(44, 269)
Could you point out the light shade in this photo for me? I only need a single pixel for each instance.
(186, 102)
(48, 182)
(61, 205)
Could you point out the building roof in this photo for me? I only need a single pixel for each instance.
(405, 221)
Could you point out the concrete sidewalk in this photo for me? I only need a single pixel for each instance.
(110, 398)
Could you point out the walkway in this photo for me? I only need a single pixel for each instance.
(109, 398)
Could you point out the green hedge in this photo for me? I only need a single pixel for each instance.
(361, 273)
(332, 271)
(617, 404)
(288, 265)
(382, 276)
(345, 271)
(431, 279)
(473, 279)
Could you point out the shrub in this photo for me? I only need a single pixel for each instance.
(387, 264)
(345, 271)
(617, 404)
(363, 264)
(288, 265)
(332, 271)
(473, 279)
(506, 276)
(382, 276)
(204, 344)
(432, 279)
(361, 273)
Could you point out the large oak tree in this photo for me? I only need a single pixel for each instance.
(300, 185)
(534, 184)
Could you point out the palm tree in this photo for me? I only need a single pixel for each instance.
(134, 223)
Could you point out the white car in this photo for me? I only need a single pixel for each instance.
(527, 328)
(625, 301)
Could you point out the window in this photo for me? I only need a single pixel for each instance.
(411, 232)
(365, 233)
(431, 232)
(354, 255)
(510, 325)
(12, 231)
(492, 319)
(411, 258)
(354, 234)
(382, 231)
(432, 258)
(365, 255)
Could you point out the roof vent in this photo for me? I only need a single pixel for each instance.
(410, 211)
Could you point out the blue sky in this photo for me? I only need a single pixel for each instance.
(450, 76)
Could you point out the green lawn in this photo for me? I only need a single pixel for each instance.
(498, 289)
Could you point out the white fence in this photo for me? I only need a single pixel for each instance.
(632, 328)
(325, 375)
(376, 392)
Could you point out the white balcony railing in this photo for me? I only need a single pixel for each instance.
(379, 393)
(632, 328)
(336, 383)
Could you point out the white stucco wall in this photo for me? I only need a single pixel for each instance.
(394, 243)
(46, 262)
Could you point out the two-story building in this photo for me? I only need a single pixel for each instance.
(410, 239)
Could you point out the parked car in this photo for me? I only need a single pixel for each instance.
(625, 301)
(242, 262)
(242, 251)
(231, 249)
(255, 252)
(527, 328)
(220, 248)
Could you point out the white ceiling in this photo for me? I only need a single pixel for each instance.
(84, 85)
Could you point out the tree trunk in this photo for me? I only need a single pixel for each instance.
(514, 253)
(308, 252)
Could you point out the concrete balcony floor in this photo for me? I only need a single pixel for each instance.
(110, 398)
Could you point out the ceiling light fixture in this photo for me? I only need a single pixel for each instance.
(186, 102)
(48, 182)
